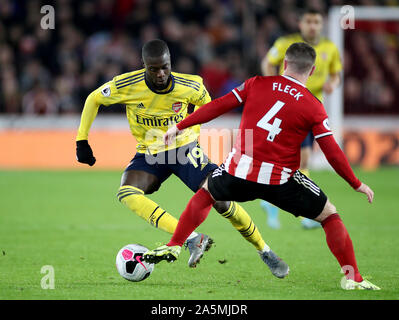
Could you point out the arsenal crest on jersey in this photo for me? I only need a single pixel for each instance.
(176, 107)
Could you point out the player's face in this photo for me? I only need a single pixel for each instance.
(311, 26)
(158, 70)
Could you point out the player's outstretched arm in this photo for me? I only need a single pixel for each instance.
(107, 94)
(84, 153)
(204, 114)
(339, 162)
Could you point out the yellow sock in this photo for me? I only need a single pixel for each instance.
(243, 223)
(147, 209)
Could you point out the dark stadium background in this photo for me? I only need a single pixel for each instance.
(52, 71)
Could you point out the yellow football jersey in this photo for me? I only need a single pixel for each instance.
(150, 113)
(327, 60)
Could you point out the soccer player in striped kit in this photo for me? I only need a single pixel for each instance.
(281, 111)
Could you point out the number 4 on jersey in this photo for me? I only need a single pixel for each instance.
(274, 129)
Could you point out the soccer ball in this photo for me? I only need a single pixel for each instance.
(130, 264)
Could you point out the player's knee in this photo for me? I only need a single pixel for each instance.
(328, 210)
(222, 206)
(152, 188)
(142, 180)
(146, 188)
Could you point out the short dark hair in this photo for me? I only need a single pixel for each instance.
(154, 49)
(309, 11)
(300, 56)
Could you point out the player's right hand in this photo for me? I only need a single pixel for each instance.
(364, 188)
(84, 154)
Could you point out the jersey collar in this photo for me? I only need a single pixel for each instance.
(294, 80)
(311, 44)
(167, 90)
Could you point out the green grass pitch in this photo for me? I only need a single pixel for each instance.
(72, 221)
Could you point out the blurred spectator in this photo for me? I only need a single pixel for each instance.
(40, 101)
(353, 91)
(10, 90)
(53, 71)
(34, 72)
(371, 64)
(215, 75)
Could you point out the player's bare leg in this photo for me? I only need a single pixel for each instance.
(340, 244)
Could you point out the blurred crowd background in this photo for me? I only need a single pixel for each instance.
(53, 71)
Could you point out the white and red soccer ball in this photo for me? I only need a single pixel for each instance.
(130, 263)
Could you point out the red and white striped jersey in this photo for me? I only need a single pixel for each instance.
(278, 114)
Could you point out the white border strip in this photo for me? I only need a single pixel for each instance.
(323, 135)
(237, 96)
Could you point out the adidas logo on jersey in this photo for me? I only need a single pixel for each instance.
(140, 106)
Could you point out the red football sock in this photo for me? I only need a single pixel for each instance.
(195, 213)
(340, 244)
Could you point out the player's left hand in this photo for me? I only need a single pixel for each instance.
(170, 135)
(364, 188)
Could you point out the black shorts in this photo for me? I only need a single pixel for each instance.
(299, 195)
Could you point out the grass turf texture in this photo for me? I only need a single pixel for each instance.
(73, 221)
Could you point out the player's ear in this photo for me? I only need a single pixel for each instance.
(285, 64)
(312, 70)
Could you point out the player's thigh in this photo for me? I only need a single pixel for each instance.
(144, 175)
(192, 166)
(299, 196)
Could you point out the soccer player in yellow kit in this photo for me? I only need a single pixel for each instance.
(325, 78)
(157, 98)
